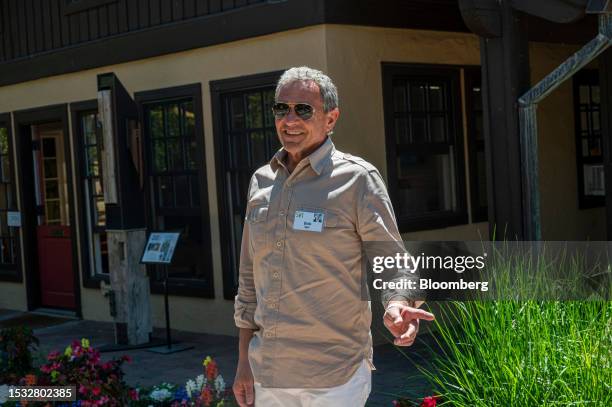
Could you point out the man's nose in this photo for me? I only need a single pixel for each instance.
(292, 116)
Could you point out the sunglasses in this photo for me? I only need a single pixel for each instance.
(302, 110)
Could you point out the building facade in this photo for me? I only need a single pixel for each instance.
(199, 78)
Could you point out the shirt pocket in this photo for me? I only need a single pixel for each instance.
(257, 217)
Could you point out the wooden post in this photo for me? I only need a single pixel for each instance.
(605, 84)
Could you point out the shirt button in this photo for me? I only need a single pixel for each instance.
(281, 213)
(275, 274)
(268, 334)
(272, 306)
(279, 243)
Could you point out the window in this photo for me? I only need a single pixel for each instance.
(424, 146)
(8, 234)
(476, 144)
(245, 139)
(176, 183)
(91, 180)
(589, 157)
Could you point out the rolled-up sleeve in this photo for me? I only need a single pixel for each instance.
(245, 302)
(377, 223)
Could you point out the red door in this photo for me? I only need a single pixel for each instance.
(53, 226)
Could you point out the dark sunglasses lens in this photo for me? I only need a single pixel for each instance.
(304, 111)
(280, 110)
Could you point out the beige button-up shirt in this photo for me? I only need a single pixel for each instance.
(301, 289)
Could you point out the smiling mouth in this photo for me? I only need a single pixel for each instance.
(292, 133)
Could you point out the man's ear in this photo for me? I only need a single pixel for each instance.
(332, 118)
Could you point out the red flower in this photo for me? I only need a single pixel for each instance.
(97, 390)
(206, 396)
(126, 358)
(429, 401)
(211, 371)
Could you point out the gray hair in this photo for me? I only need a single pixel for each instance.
(329, 93)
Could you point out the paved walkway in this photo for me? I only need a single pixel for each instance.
(395, 374)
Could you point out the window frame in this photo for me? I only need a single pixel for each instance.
(217, 89)
(12, 273)
(450, 73)
(180, 286)
(585, 77)
(76, 110)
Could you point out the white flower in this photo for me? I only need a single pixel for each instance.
(160, 395)
(190, 387)
(4, 393)
(219, 385)
(200, 382)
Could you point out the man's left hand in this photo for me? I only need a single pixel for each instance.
(402, 321)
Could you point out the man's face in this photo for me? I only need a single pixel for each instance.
(301, 137)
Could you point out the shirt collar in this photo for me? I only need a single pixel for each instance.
(317, 159)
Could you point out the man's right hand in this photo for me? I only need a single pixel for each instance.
(243, 385)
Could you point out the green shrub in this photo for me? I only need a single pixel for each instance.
(16, 346)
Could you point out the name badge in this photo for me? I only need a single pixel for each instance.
(309, 221)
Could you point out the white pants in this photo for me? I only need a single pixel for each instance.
(353, 393)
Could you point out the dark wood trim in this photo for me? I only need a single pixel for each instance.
(76, 109)
(232, 25)
(83, 5)
(176, 286)
(605, 84)
(472, 74)
(391, 70)
(15, 272)
(23, 120)
(590, 77)
(217, 88)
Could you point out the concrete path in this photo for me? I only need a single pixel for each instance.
(395, 374)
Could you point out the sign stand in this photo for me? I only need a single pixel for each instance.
(160, 250)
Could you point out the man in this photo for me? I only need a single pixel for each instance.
(304, 330)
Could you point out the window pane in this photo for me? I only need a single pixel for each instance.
(399, 98)
(166, 192)
(159, 155)
(254, 110)
(436, 97)
(595, 94)
(188, 119)
(419, 129)
(48, 147)
(51, 190)
(258, 148)
(93, 167)
(237, 112)
(268, 96)
(594, 180)
(584, 94)
(402, 135)
(181, 183)
(595, 146)
(438, 129)
(52, 211)
(428, 183)
(156, 122)
(595, 121)
(187, 261)
(6, 168)
(477, 98)
(4, 200)
(192, 154)
(175, 154)
(173, 121)
(478, 126)
(4, 140)
(240, 156)
(100, 211)
(417, 97)
(50, 168)
(585, 147)
(89, 125)
(274, 143)
(97, 186)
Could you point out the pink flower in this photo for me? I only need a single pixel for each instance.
(53, 355)
(133, 393)
(83, 389)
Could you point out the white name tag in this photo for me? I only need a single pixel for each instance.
(310, 221)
